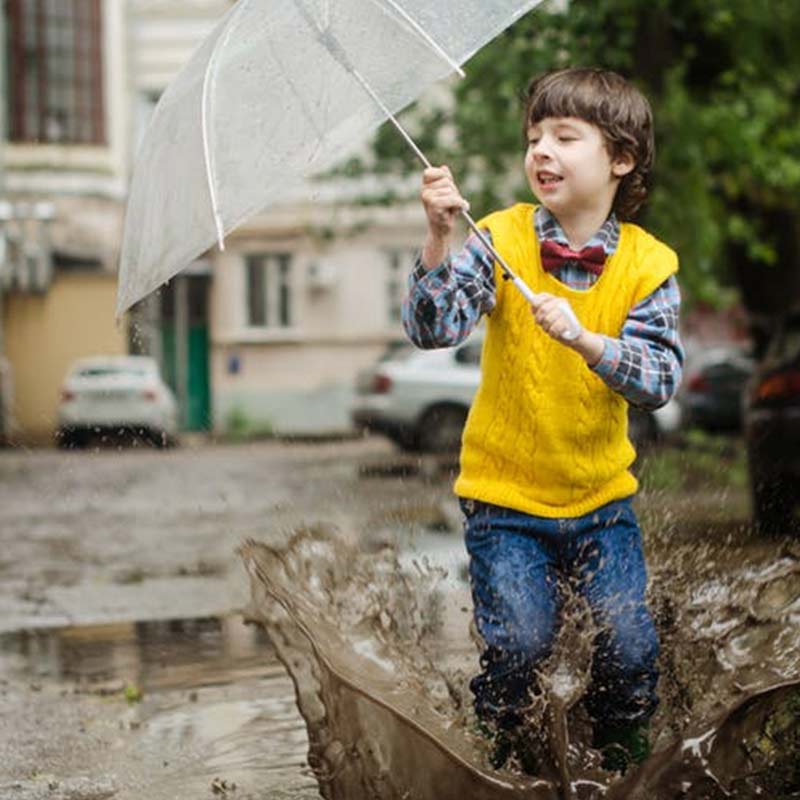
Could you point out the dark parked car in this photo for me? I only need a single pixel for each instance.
(772, 430)
(713, 392)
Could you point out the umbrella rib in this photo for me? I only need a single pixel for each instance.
(208, 156)
(423, 34)
(218, 224)
(321, 133)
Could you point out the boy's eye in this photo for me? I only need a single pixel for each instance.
(567, 138)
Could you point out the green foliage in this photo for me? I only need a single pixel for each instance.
(241, 427)
(694, 463)
(723, 77)
(238, 423)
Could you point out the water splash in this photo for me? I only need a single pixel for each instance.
(380, 656)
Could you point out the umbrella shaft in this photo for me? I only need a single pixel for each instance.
(518, 282)
(484, 240)
(465, 214)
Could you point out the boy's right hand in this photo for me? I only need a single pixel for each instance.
(442, 202)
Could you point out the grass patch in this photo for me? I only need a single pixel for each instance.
(697, 460)
(241, 428)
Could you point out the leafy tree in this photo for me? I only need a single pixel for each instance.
(723, 77)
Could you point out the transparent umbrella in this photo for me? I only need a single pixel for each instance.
(279, 91)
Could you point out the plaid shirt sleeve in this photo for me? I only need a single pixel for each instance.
(645, 363)
(443, 305)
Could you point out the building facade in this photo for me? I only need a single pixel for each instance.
(304, 297)
(64, 173)
(266, 335)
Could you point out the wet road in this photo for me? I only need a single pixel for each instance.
(125, 670)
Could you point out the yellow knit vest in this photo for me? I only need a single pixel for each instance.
(545, 435)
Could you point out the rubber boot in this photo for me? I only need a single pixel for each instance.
(622, 746)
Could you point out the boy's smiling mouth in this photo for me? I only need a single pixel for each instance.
(546, 178)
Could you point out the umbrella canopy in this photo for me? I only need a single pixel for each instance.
(279, 91)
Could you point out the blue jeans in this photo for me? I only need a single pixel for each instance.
(516, 563)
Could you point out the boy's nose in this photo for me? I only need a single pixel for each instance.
(541, 150)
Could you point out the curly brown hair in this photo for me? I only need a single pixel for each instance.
(621, 112)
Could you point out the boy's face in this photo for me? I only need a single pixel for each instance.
(569, 168)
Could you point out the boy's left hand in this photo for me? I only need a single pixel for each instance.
(557, 319)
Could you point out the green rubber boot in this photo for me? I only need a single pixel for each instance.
(622, 746)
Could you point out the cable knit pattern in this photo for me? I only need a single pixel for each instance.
(546, 435)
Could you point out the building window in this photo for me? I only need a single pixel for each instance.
(269, 290)
(399, 266)
(55, 71)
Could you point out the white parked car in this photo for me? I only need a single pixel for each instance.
(420, 399)
(115, 394)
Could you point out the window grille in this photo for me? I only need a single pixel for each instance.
(55, 71)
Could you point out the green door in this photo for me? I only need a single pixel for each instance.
(198, 404)
(196, 412)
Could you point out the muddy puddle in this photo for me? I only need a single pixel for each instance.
(186, 708)
(380, 650)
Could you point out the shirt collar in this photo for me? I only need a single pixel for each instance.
(548, 228)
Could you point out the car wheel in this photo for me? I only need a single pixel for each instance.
(772, 504)
(405, 440)
(159, 439)
(440, 429)
(71, 438)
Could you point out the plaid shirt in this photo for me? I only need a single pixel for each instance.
(644, 364)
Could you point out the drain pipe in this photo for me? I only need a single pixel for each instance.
(5, 369)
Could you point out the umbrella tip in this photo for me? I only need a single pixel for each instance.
(220, 230)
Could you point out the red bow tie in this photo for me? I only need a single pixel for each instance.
(555, 255)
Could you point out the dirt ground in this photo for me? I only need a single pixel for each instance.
(125, 669)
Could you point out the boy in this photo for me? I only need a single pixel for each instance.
(544, 483)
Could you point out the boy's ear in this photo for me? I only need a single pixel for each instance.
(622, 165)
